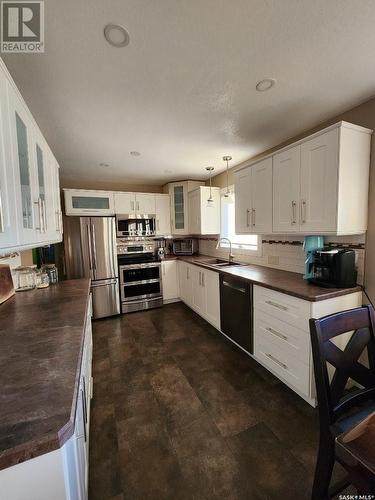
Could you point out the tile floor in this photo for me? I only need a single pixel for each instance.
(180, 413)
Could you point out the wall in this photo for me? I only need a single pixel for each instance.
(109, 186)
(290, 255)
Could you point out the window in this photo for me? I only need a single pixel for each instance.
(248, 242)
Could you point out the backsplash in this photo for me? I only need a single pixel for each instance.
(286, 252)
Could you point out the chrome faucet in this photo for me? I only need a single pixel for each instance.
(231, 256)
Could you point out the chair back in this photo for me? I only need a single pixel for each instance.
(333, 399)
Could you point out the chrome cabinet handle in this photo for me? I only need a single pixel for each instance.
(303, 211)
(84, 414)
(187, 273)
(294, 212)
(283, 365)
(44, 216)
(253, 216)
(203, 280)
(200, 277)
(274, 304)
(57, 213)
(132, 205)
(2, 229)
(278, 334)
(40, 228)
(247, 217)
(137, 205)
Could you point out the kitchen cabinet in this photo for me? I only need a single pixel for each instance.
(138, 203)
(320, 185)
(282, 338)
(199, 295)
(163, 214)
(88, 202)
(206, 294)
(185, 278)
(178, 192)
(169, 280)
(8, 209)
(204, 217)
(253, 198)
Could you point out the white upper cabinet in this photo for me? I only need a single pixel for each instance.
(320, 186)
(145, 203)
(319, 183)
(253, 198)
(178, 192)
(134, 203)
(88, 202)
(124, 203)
(163, 214)
(286, 190)
(8, 207)
(204, 216)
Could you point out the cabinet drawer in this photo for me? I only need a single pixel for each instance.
(284, 307)
(283, 364)
(288, 338)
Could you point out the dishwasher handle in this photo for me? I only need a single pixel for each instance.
(234, 287)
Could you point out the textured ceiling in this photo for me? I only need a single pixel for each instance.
(183, 92)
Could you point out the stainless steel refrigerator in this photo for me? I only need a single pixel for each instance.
(90, 252)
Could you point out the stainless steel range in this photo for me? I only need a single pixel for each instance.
(140, 275)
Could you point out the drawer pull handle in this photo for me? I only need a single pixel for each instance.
(278, 334)
(283, 365)
(274, 304)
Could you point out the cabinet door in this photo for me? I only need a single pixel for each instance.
(194, 212)
(163, 215)
(319, 183)
(178, 193)
(286, 190)
(124, 203)
(186, 282)
(29, 220)
(169, 279)
(85, 203)
(261, 188)
(145, 203)
(58, 224)
(199, 298)
(8, 210)
(243, 201)
(211, 287)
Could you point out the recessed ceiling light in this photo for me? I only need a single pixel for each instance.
(116, 35)
(265, 84)
(104, 165)
(135, 153)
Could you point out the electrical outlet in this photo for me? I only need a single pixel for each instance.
(273, 260)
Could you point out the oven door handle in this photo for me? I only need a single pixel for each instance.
(126, 267)
(141, 282)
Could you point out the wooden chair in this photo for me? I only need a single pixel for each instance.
(339, 408)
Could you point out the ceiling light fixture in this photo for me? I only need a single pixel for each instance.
(265, 84)
(228, 195)
(135, 153)
(210, 201)
(116, 35)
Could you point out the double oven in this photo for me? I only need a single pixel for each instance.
(140, 275)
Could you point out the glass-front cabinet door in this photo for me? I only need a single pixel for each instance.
(82, 202)
(24, 170)
(178, 195)
(8, 204)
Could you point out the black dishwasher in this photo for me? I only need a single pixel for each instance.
(236, 310)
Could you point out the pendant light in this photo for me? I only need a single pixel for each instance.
(228, 195)
(210, 201)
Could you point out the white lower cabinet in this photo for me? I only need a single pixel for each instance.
(63, 473)
(282, 336)
(200, 290)
(169, 280)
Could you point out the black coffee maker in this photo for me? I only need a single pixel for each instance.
(334, 268)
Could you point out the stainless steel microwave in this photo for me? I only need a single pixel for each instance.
(129, 225)
(185, 246)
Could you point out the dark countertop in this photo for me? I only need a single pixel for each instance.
(275, 279)
(41, 341)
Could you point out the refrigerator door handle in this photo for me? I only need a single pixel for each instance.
(97, 284)
(93, 245)
(89, 243)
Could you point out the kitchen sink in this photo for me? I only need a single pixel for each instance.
(219, 263)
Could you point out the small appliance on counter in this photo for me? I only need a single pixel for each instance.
(333, 268)
(185, 246)
(24, 278)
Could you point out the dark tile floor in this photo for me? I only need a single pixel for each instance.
(180, 413)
